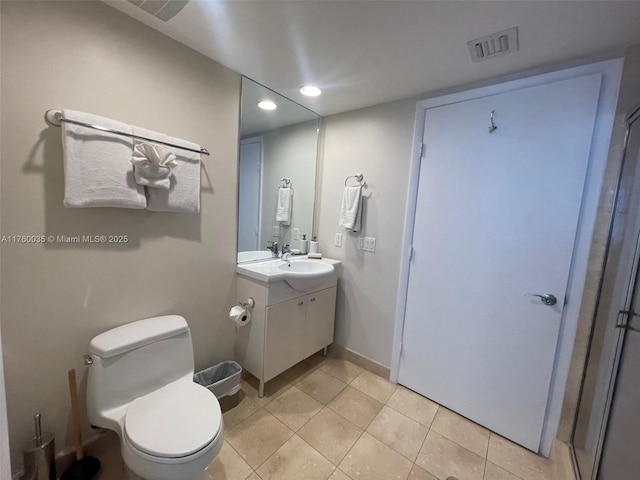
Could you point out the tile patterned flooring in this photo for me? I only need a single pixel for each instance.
(329, 419)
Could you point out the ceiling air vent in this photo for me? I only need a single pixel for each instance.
(163, 9)
(493, 45)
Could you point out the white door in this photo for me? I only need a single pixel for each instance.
(495, 223)
(249, 195)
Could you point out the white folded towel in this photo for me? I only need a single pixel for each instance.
(152, 165)
(183, 194)
(97, 164)
(285, 204)
(351, 211)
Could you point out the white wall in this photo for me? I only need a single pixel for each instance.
(376, 141)
(55, 298)
(289, 152)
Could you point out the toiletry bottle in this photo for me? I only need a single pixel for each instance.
(304, 245)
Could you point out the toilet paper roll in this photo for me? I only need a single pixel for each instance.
(313, 247)
(240, 315)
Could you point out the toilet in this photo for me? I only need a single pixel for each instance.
(140, 385)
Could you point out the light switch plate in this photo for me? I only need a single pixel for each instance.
(337, 241)
(296, 234)
(276, 231)
(368, 244)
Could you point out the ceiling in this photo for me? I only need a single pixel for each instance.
(362, 53)
(255, 120)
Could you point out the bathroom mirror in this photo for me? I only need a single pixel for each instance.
(278, 148)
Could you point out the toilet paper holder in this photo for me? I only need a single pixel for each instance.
(250, 303)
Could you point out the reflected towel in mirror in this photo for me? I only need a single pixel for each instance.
(285, 204)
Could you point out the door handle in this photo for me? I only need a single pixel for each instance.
(545, 298)
(630, 314)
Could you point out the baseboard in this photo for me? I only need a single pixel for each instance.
(337, 351)
(562, 461)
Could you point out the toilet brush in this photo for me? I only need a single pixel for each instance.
(83, 468)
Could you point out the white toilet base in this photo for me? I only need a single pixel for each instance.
(149, 468)
(131, 475)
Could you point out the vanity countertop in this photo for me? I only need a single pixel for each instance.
(270, 270)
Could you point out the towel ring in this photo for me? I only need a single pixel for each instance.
(286, 180)
(358, 176)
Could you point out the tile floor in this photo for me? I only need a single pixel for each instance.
(329, 419)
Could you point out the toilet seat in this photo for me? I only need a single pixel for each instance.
(175, 421)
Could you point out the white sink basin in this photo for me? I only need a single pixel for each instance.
(301, 274)
(305, 275)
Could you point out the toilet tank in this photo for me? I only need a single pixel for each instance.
(135, 359)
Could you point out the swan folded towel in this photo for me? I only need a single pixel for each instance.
(152, 165)
(351, 211)
(97, 164)
(285, 202)
(183, 194)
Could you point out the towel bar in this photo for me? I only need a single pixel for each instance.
(54, 117)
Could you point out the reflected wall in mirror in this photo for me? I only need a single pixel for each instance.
(275, 144)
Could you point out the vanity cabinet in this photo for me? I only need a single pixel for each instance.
(286, 326)
(321, 308)
(284, 336)
(297, 329)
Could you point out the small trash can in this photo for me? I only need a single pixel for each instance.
(223, 379)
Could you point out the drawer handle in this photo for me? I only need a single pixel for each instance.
(300, 303)
(313, 299)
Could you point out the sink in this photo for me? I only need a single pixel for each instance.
(301, 274)
(305, 275)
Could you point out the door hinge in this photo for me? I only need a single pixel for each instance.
(411, 254)
(422, 145)
(401, 348)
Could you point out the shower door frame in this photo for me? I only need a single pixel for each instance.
(632, 284)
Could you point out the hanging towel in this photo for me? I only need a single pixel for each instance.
(285, 204)
(97, 165)
(351, 211)
(152, 165)
(183, 194)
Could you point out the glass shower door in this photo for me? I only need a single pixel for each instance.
(606, 437)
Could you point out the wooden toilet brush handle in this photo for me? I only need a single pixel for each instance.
(75, 413)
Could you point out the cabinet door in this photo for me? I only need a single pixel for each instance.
(321, 313)
(284, 339)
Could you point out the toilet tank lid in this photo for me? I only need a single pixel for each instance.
(137, 334)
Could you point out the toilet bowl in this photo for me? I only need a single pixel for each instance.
(141, 386)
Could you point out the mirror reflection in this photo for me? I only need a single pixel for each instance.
(277, 174)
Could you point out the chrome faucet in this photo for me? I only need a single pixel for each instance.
(286, 253)
(273, 247)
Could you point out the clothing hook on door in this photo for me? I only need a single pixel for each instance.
(493, 126)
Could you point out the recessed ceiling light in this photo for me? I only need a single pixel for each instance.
(267, 105)
(310, 91)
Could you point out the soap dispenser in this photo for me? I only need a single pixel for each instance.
(304, 245)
